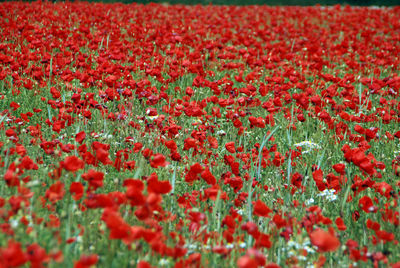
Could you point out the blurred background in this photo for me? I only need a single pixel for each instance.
(266, 2)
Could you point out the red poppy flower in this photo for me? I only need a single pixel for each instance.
(79, 137)
(230, 147)
(102, 155)
(13, 255)
(171, 145)
(119, 229)
(189, 143)
(10, 177)
(95, 178)
(55, 192)
(86, 261)
(208, 177)
(251, 228)
(340, 224)
(325, 241)
(365, 203)
(373, 225)
(261, 209)
(253, 258)
(279, 221)
(14, 105)
(247, 262)
(272, 265)
(297, 179)
(213, 142)
(339, 168)
(158, 160)
(37, 255)
(194, 170)
(143, 264)
(318, 178)
(73, 163)
(263, 241)
(11, 133)
(76, 189)
(156, 186)
(384, 235)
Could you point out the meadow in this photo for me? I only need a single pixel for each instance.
(199, 136)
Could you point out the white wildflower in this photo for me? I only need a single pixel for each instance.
(191, 246)
(302, 258)
(308, 145)
(292, 244)
(32, 183)
(221, 132)
(309, 249)
(309, 201)
(163, 262)
(230, 246)
(151, 118)
(328, 194)
(14, 223)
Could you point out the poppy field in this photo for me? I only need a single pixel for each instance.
(199, 136)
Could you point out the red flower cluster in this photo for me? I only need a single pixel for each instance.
(151, 135)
